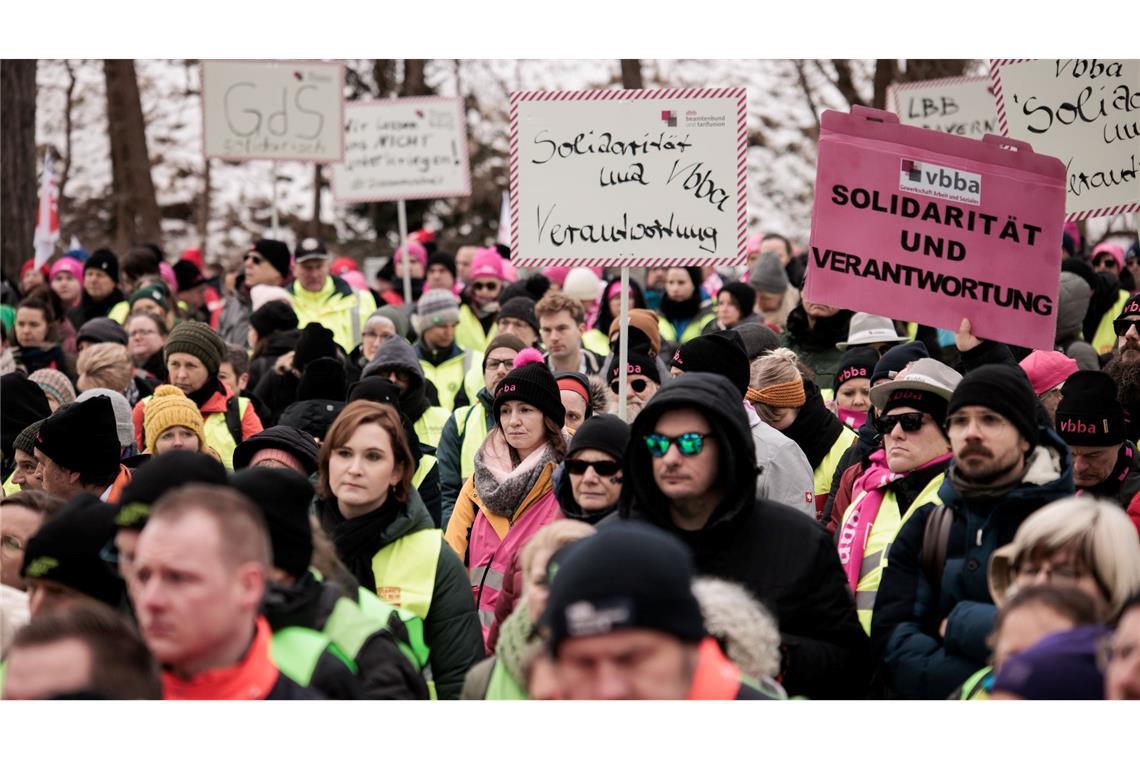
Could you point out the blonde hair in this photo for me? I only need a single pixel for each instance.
(105, 365)
(775, 383)
(551, 538)
(1098, 532)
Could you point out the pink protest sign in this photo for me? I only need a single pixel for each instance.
(926, 227)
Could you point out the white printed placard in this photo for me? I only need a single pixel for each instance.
(1085, 112)
(629, 177)
(277, 110)
(961, 106)
(403, 149)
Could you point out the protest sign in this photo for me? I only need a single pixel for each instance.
(276, 110)
(628, 177)
(927, 227)
(403, 149)
(958, 105)
(1084, 112)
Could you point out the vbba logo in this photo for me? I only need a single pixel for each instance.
(940, 182)
(669, 117)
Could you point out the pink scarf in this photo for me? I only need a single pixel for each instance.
(857, 526)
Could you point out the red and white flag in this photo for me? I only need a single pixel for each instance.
(47, 221)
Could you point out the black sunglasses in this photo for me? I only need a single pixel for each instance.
(254, 258)
(605, 469)
(638, 385)
(484, 285)
(911, 422)
(1120, 326)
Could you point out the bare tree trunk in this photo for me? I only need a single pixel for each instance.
(414, 83)
(631, 74)
(136, 216)
(317, 180)
(67, 107)
(18, 157)
(807, 90)
(886, 71)
(845, 81)
(383, 73)
(204, 209)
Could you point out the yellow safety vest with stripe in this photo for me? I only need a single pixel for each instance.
(452, 374)
(427, 461)
(404, 572)
(10, 487)
(469, 333)
(429, 427)
(471, 425)
(1105, 338)
(692, 330)
(883, 531)
(597, 341)
(296, 652)
(218, 436)
(826, 469)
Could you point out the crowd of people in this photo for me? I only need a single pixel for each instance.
(275, 479)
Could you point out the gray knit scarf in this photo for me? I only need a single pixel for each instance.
(503, 497)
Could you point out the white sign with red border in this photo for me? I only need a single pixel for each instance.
(629, 177)
(276, 110)
(962, 106)
(403, 149)
(1084, 112)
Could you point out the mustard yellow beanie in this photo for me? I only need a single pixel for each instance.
(170, 407)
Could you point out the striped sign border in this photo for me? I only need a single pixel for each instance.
(740, 94)
(995, 74)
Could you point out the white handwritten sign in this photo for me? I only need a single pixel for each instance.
(628, 177)
(1084, 112)
(961, 106)
(289, 110)
(406, 148)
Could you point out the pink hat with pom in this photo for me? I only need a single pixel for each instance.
(531, 382)
(1047, 369)
(487, 263)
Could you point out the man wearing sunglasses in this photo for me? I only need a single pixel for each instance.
(1124, 367)
(933, 611)
(642, 382)
(267, 262)
(905, 472)
(690, 469)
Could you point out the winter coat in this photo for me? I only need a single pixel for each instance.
(276, 345)
(382, 670)
(336, 306)
(314, 416)
(815, 346)
(89, 308)
(233, 324)
(910, 608)
(781, 556)
(456, 451)
(783, 473)
(451, 627)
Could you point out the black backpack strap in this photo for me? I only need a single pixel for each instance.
(936, 543)
(233, 418)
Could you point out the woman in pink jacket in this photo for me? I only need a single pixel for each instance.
(511, 493)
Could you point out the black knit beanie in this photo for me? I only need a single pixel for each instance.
(316, 341)
(272, 317)
(160, 474)
(1002, 389)
(857, 362)
(22, 402)
(521, 308)
(67, 548)
(105, 261)
(187, 275)
(636, 364)
(742, 295)
(532, 382)
(1089, 413)
(198, 340)
(276, 253)
(628, 576)
(896, 359)
(26, 440)
(717, 353)
(1131, 307)
(375, 388)
(82, 437)
(323, 378)
(445, 260)
(287, 439)
(283, 496)
(607, 433)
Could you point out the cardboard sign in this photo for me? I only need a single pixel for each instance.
(277, 110)
(1084, 112)
(961, 106)
(628, 177)
(403, 149)
(927, 227)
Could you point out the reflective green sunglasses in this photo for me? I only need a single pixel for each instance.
(689, 444)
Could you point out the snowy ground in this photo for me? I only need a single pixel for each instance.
(781, 166)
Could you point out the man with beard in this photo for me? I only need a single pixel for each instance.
(1124, 367)
(1091, 421)
(933, 612)
(642, 383)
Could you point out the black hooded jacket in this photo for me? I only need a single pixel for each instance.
(780, 555)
